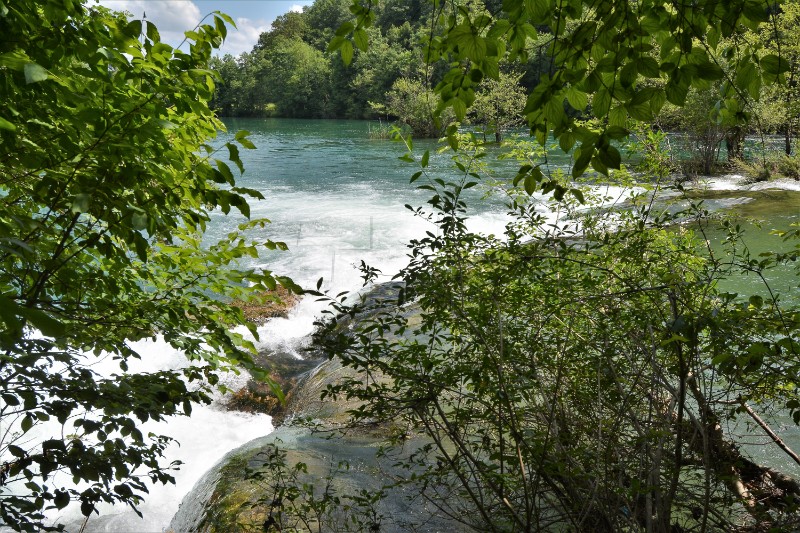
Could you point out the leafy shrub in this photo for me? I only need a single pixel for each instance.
(789, 166)
(774, 165)
(576, 375)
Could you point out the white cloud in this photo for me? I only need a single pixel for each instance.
(171, 17)
(245, 36)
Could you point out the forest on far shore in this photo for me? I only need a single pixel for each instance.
(290, 73)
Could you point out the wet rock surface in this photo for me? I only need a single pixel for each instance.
(337, 471)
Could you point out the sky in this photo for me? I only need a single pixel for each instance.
(173, 17)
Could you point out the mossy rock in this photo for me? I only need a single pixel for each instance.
(238, 494)
(245, 488)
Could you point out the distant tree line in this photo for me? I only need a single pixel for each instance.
(290, 73)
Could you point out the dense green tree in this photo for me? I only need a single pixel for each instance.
(346, 91)
(702, 134)
(782, 38)
(498, 105)
(289, 26)
(323, 18)
(373, 73)
(106, 185)
(395, 13)
(230, 94)
(598, 52)
(414, 105)
(295, 77)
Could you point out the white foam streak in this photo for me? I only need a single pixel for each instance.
(201, 441)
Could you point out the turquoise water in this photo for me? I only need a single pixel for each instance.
(336, 197)
(759, 215)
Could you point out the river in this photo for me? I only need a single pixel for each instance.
(335, 197)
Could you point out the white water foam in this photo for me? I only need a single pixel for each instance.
(201, 441)
(735, 182)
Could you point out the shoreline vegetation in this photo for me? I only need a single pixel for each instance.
(268, 304)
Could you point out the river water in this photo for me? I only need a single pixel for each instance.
(335, 197)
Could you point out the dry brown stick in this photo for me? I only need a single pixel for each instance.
(775, 438)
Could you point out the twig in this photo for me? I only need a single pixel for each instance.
(775, 438)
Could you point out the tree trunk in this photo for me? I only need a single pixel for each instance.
(734, 143)
(788, 138)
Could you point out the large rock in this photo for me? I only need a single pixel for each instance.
(337, 484)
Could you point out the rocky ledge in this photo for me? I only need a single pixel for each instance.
(313, 473)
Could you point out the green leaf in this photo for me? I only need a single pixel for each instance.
(601, 103)
(773, 66)
(756, 11)
(244, 141)
(425, 158)
(233, 156)
(6, 125)
(677, 89)
(577, 98)
(648, 67)
(610, 157)
(361, 40)
(35, 73)
(139, 221)
(345, 29)
(10, 399)
(554, 110)
(87, 508)
(539, 9)
(628, 74)
(530, 184)
(459, 108)
(227, 18)
(81, 203)
(657, 101)
(16, 451)
(616, 132)
(347, 52)
(470, 44)
(152, 32)
(583, 157)
(336, 43)
(618, 116)
(61, 499)
(15, 60)
(225, 170)
(133, 29)
(566, 141)
(42, 321)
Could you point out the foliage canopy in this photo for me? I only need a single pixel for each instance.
(106, 185)
(609, 59)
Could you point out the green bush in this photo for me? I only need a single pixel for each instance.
(576, 381)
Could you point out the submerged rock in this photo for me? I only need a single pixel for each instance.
(285, 370)
(306, 480)
(315, 473)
